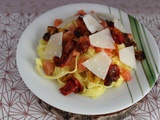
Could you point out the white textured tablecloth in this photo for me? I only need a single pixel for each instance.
(17, 102)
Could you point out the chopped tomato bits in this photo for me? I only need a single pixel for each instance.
(48, 67)
(57, 22)
(126, 75)
(81, 12)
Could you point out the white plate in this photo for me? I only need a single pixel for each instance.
(113, 99)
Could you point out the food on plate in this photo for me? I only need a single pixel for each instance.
(87, 53)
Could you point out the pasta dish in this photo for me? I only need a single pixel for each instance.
(87, 53)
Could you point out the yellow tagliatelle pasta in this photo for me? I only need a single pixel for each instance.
(69, 70)
(41, 47)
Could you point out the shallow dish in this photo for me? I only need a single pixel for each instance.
(114, 99)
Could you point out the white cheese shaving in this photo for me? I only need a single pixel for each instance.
(127, 56)
(98, 64)
(105, 16)
(92, 24)
(67, 21)
(102, 39)
(54, 46)
(109, 17)
(118, 25)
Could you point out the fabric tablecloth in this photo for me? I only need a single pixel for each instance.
(17, 102)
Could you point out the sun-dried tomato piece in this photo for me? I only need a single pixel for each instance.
(118, 38)
(78, 32)
(60, 62)
(110, 23)
(81, 25)
(107, 81)
(72, 85)
(112, 75)
(80, 87)
(127, 41)
(68, 46)
(139, 55)
(68, 88)
(114, 72)
(83, 44)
